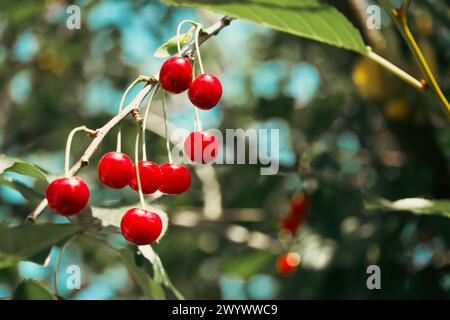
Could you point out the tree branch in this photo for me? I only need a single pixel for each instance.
(131, 108)
(399, 17)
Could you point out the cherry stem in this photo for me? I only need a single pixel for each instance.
(197, 47)
(144, 126)
(197, 113)
(69, 144)
(122, 101)
(179, 30)
(136, 164)
(197, 120)
(58, 262)
(169, 155)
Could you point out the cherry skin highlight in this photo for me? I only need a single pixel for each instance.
(175, 75)
(140, 226)
(288, 262)
(175, 179)
(150, 175)
(115, 170)
(201, 147)
(67, 196)
(205, 91)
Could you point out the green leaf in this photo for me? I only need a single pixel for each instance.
(246, 265)
(27, 241)
(30, 289)
(161, 276)
(305, 18)
(21, 167)
(27, 192)
(170, 48)
(419, 206)
(149, 287)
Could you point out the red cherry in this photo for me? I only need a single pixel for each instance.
(150, 175)
(300, 205)
(292, 223)
(141, 227)
(205, 91)
(288, 262)
(175, 179)
(115, 170)
(67, 196)
(176, 75)
(298, 211)
(201, 146)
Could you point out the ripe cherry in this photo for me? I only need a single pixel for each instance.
(205, 91)
(300, 204)
(201, 146)
(292, 223)
(67, 196)
(140, 226)
(176, 75)
(175, 179)
(115, 170)
(288, 262)
(298, 211)
(150, 176)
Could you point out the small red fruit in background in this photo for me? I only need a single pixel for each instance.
(67, 196)
(201, 146)
(140, 226)
(300, 204)
(292, 223)
(288, 262)
(150, 176)
(175, 179)
(298, 211)
(115, 170)
(175, 75)
(205, 91)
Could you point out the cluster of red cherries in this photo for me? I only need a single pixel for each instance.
(70, 195)
(299, 208)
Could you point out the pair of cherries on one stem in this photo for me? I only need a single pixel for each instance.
(116, 170)
(175, 76)
(204, 92)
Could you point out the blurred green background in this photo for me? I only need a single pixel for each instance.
(349, 132)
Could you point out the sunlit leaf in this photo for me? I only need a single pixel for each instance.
(21, 167)
(419, 206)
(170, 47)
(305, 18)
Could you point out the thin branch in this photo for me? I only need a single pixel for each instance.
(130, 108)
(396, 70)
(403, 12)
(399, 17)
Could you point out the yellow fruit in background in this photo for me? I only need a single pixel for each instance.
(424, 22)
(397, 109)
(368, 79)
